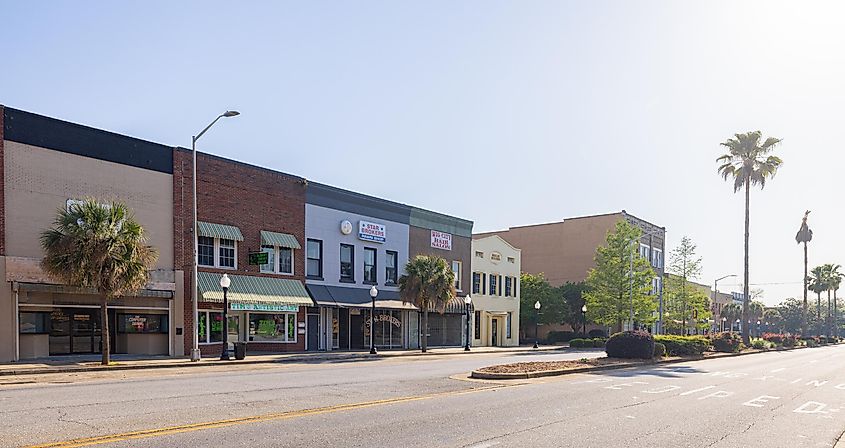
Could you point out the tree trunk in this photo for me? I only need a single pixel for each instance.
(818, 313)
(104, 332)
(827, 321)
(425, 329)
(835, 324)
(805, 316)
(746, 338)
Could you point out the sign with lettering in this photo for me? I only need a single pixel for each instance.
(263, 307)
(370, 231)
(258, 258)
(441, 240)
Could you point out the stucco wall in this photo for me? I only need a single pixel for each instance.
(494, 306)
(39, 181)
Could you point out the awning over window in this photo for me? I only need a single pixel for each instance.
(279, 239)
(247, 289)
(219, 231)
(344, 297)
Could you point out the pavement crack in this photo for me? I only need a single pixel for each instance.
(63, 418)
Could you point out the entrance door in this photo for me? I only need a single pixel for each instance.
(75, 331)
(313, 332)
(494, 332)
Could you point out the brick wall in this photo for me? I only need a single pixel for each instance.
(2, 186)
(248, 197)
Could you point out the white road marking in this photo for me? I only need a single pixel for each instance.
(621, 385)
(695, 390)
(779, 370)
(630, 416)
(717, 394)
(816, 383)
(661, 390)
(818, 408)
(484, 444)
(757, 402)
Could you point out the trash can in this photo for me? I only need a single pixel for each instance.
(240, 350)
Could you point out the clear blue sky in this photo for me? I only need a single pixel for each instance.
(505, 113)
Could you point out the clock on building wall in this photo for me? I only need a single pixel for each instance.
(345, 227)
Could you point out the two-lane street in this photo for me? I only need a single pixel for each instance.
(789, 399)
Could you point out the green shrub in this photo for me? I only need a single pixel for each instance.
(811, 342)
(597, 333)
(630, 344)
(759, 344)
(659, 350)
(577, 343)
(684, 345)
(562, 336)
(727, 342)
(599, 342)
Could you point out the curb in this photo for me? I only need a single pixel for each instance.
(294, 358)
(522, 376)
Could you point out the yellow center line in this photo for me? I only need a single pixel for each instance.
(169, 430)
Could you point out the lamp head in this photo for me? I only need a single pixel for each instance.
(373, 291)
(537, 305)
(584, 308)
(468, 299)
(225, 281)
(231, 113)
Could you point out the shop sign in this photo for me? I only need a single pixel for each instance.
(389, 319)
(258, 258)
(370, 231)
(441, 240)
(263, 307)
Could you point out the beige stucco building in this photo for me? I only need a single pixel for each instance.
(46, 165)
(495, 292)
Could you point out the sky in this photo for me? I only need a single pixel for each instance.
(502, 112)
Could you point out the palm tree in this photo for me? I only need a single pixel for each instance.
(755, 312)
(773, 318)
(749, 163)
(428, 283)
(101, 246)
(818, 285)
(835, 280)
(731, 312)
(804, 235)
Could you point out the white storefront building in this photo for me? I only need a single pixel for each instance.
(495, 292)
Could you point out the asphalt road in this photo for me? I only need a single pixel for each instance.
(786, 399)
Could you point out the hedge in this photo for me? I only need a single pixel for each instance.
(727, 342)
(684, 345)
(659, 350)
(630, 344)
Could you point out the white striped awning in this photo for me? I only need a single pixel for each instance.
(279, 239)
(219, 231)
(247, 289)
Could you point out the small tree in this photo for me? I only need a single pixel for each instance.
(428, 283)
(685, 265)
(535, 288)
(573, 297)
(621, 280)
(94, 245)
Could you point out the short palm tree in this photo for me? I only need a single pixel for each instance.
(731, 312)
(835, 277)
(773, 318)
(100, 246)
(428, 283)
(804, 235)
(749, 163)
(818, 285)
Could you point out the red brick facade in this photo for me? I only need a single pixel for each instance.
(248, 197)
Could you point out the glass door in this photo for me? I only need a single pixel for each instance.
(59, 332)
(85, 332)
(494, 332)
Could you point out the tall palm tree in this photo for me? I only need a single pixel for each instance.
(818, 285)
(749, 163)
(804, 235)
(101, 246)
(835, 281)
(428, 283)
(731, 312)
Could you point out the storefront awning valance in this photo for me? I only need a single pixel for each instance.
(279, 239)
(248, 289)
(456, 305)
(343, 297)
(65, 289)
(219, 231)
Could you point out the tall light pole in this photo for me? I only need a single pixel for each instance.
(373, 295)
(195, 349)
(584, 318)
(225, 281)
(468, 302)
(537, 325)
(716, 293)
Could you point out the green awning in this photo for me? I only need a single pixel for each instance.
(219, 231)
(253, 290)
(279, 239)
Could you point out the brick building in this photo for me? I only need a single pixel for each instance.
(242, 209)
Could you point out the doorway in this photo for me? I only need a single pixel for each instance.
(75, 331)
(313, 332)
(494, 332)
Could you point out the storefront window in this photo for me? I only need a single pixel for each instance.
(387, 326)
(142, 323)
(272, 327)
(271, 261)
(34, 323)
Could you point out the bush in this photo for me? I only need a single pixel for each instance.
(599, 342)
(597, 333)
(777, 338)
(659, 350)
(727, 342)
(811, 342)
(562, 336)
(684, 345)
(759, 344)
(630, 344)
(578, 343)
(790, 341)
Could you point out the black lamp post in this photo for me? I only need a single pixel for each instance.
(584, 317)
(225, 281)
(373, 295)
(468, 302)
(758, 328)
(537, 325)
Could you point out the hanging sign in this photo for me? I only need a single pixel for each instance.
(263, 307)
(370, 231)
(258, 258)
(441, 240)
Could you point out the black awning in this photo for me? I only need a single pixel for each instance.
(345, 297)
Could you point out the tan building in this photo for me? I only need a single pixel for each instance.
(48, 164)
(564, 251)
(495, 292)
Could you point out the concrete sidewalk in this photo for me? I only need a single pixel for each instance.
(90, 363)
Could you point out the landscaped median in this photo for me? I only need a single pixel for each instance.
(632, 349)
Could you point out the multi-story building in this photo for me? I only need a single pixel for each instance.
(565, 251)
(243, 212)
(47, 164)
(495, 292)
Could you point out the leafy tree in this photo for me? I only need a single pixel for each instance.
(792, 315)
(573, 298)
(773, 319)
(428, 283)
(621, 280)
(749, 163)
(684, 310)
(835, 278)
(101, 246)
(685, 265)
(535, 288)
(819, 283)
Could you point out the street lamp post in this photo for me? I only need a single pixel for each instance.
(584, 318)
(724, 323)
(738, 326)
(225, 281)
(716, 293)
(373, 295)
(468, 302)
(537, 325)
(758, 328)
(195, 348)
